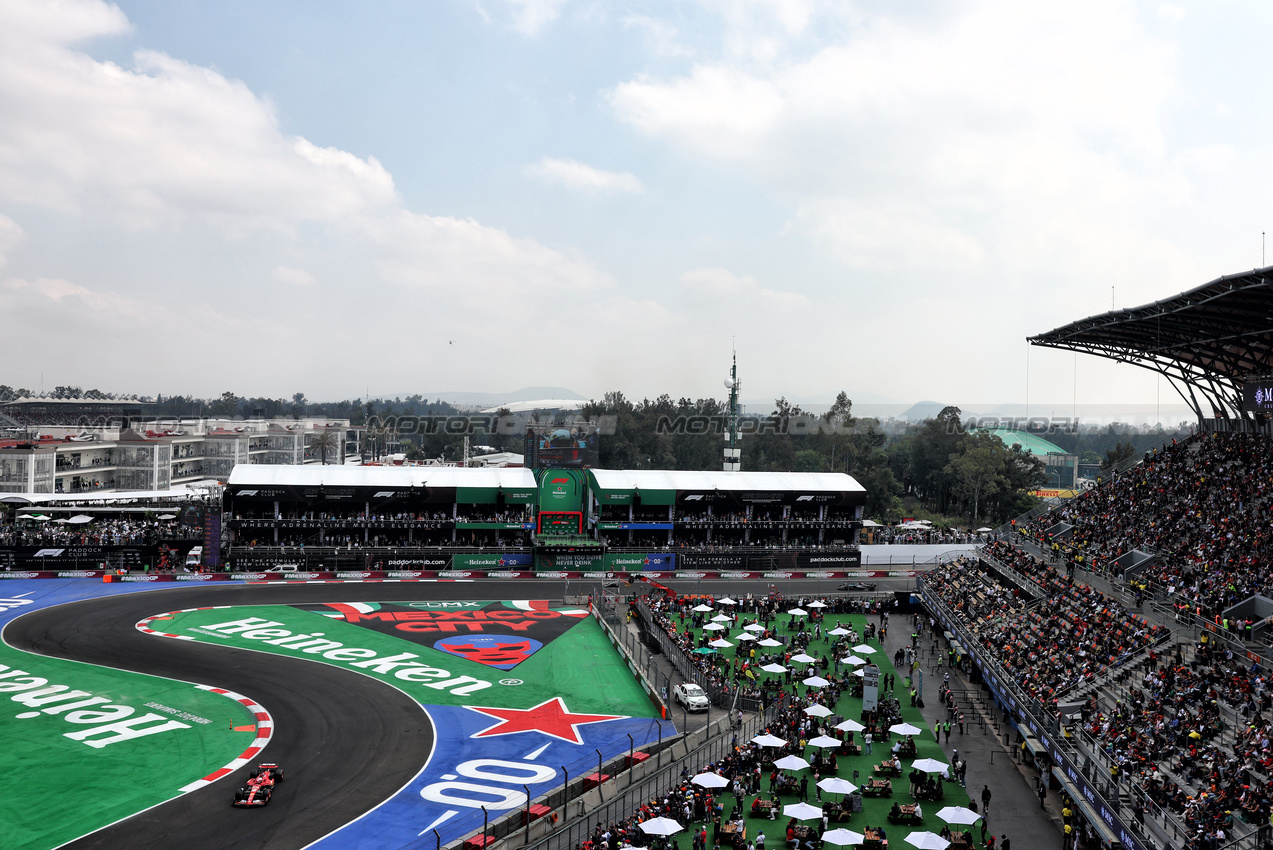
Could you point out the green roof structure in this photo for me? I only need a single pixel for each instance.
(1032, 443)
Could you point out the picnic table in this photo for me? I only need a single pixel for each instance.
(878, 788)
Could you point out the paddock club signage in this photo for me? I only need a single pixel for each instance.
(803, 561)
(87, 557)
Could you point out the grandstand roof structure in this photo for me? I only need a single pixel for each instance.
(1206, 341)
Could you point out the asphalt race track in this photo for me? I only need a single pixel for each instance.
(346, 742)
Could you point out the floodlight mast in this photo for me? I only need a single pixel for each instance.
(733, 455)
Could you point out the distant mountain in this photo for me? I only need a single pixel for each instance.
(920, 411)
(474, 399)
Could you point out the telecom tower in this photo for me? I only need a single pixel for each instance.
(733, 454)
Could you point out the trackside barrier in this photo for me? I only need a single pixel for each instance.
(721, 697)
(614, 801)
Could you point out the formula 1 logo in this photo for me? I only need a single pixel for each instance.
(49, 553)
(382, 494)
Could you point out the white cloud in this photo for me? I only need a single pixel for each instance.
(742, 291)
(584, 178)
(664, 38)
(293, 277)
(530, 17)
(70, 297)
(717, 111)
(11, 235)
(168, 160)
(161, 140)
(465, 258)
(952, 140)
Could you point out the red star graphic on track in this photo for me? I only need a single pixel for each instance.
(550, 717)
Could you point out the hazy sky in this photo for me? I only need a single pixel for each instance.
(417, 196)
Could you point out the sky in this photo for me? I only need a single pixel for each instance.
(394, 197)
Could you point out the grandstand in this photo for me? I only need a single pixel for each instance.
(574, 519)
(1127, 631)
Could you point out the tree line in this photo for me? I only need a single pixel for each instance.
(935, 469)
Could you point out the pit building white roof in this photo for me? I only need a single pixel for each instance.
(311, 475)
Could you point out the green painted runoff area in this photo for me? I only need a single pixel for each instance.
(55, 788)
(874, 809)
(569, 666)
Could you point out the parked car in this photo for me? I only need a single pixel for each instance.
(691, 696)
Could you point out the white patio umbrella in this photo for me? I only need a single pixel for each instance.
(850, 726)
(843, 837)
(791, 763)
(860, 673)
(929, 765)
(710, 780)
(774, 668)
(927, 841)
(803, 659)
(725, 600)
(818, 710)
(754, 627)
(713, 627)
(815, 682)
(801, 811)
(853, 659)
(746, 636)
(770, 642)
(720, 643)
(837, 785)
(983, 530)
(958, 814)
(904, 729)
(660, 826)
(768, 741)
(721, 618)
(167, 516)
(80, 519)
(823, 742)
(864, 649)
(798, 612)
(817, 603)
(702, 609)
(839, 631)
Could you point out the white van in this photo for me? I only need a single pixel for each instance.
(194, 558)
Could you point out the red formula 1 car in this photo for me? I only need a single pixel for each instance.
(260, 785)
